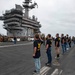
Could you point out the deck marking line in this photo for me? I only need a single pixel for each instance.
(44, 70)
(55, 72)
(15, 45)
(60, 72)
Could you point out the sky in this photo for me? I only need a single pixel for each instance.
(55, 16)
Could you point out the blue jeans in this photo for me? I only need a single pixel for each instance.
(49, 55)
(74, 41)
(63, 48)
(14, 41)
(37, 64)
(67, 45)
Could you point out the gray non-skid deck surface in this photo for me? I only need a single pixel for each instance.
(17, 60)
(67, 63)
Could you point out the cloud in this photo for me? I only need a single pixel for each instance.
(54, 15)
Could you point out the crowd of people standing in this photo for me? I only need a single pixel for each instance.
(64, 41)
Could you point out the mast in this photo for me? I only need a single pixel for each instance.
(27, 7)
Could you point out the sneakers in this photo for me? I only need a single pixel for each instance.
(67, 48)
(57, 58)
(48, 64)
(56, 63)
(36, 73)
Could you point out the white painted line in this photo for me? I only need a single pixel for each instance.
(60, 72)
(55, 72)
(15, 45)
(44, 70)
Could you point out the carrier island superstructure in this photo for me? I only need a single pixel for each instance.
(18, 23)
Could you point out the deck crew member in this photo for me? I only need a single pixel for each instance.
(36, 53)
(48, 49)
(57, 45)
